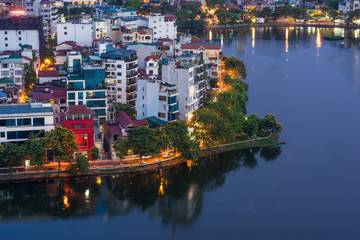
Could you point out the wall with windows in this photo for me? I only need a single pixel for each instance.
(81, 33)
(11, 40)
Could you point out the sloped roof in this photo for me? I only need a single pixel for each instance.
(125, 120)
(203, 45)
(54, 73)
(77, 109)
(151, 57)
(6, 80)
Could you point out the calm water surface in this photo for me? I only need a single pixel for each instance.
(307, 189)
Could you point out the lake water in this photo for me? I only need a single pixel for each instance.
(306, 189)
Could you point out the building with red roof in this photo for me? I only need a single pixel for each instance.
(152, 65)
(211, 55)
(119, 127)
(79, 119)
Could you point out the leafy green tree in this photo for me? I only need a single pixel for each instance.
(215, 3)
(269, 123)
(94, 153)
(142, 141)
(62, 142)
(12, 155)
(30, 77)
(180, 139)
(36, 150)
(162, 142)
(235, 67)
(126, 108)
(135, 4)
(121, 148)
(266, 13)
(251, 125)
(81, 164)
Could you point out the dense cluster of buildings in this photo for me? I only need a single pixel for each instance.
(110, 57)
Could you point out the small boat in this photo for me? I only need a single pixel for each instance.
(334, 38)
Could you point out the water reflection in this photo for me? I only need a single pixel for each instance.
(174, 195)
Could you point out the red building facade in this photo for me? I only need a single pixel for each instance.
(79, 119)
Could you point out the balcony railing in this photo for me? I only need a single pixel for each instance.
(131, 97)
(130, 59)
(131, 82)
(130, 89)
(131, 66)
(132, 74)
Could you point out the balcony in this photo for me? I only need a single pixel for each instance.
(174, 108)
(131, 58)
(131, 66)
(131, 89)
(131, 97)
(131, 74)
(110, 76)
(110, 69)
(131, 82)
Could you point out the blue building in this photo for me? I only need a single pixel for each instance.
(86, 85)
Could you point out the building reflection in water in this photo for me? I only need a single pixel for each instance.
(175, 195)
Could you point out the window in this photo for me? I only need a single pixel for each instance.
(65, 28)
(80, 95)
(143, 105)
(119, 74)
(19, 38)
(78, 126)
(6, 44)
(118, 66)
(143, 97)
(162, 98)
(120, 81)
(19, 44)
(65, 33)
(143, 89)
(151, 64)
(39, 121)
(24, 121)
(71, 96)
(2, 134)
(6, 39)
(161, 115)
(81, 102)
(19, 32)
(69, 127)
(5, 32)
(88, 126)
(119, 89)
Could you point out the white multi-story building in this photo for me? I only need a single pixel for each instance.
(20, 30)
(152, 65)
(121, 67)
(18, 121)
(80, 32)
(143, 50)
(48, 11)
(100, 28)
(13, 67)
(210, 53)
(163, 26)
(156, 99)
(187, 73)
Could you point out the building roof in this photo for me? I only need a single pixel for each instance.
(113, 127)
(151, 57)
(54, 73)
(125, 121)
(77, 109)
(169, 16)
(99, 20)
(206, 46)
(156, 122)
(118, 52)
(24, 108)
(6, 80)
(47, 93)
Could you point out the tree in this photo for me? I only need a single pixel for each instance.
(266, 13)
(81, 164)
(94, 153)
(162, 142)
(121, 148)
(251, 125)
(126, 108)
(30, 77)
(142, 141)
(36, 150)
(62, 142)
(12, 155)
(135, 4)
(235, 67)
(180, 139)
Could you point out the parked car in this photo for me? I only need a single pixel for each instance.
(168, 155)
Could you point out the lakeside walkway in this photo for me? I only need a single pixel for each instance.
(116, 166)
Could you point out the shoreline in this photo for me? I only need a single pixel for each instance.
(279, 24)
(142, 168)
